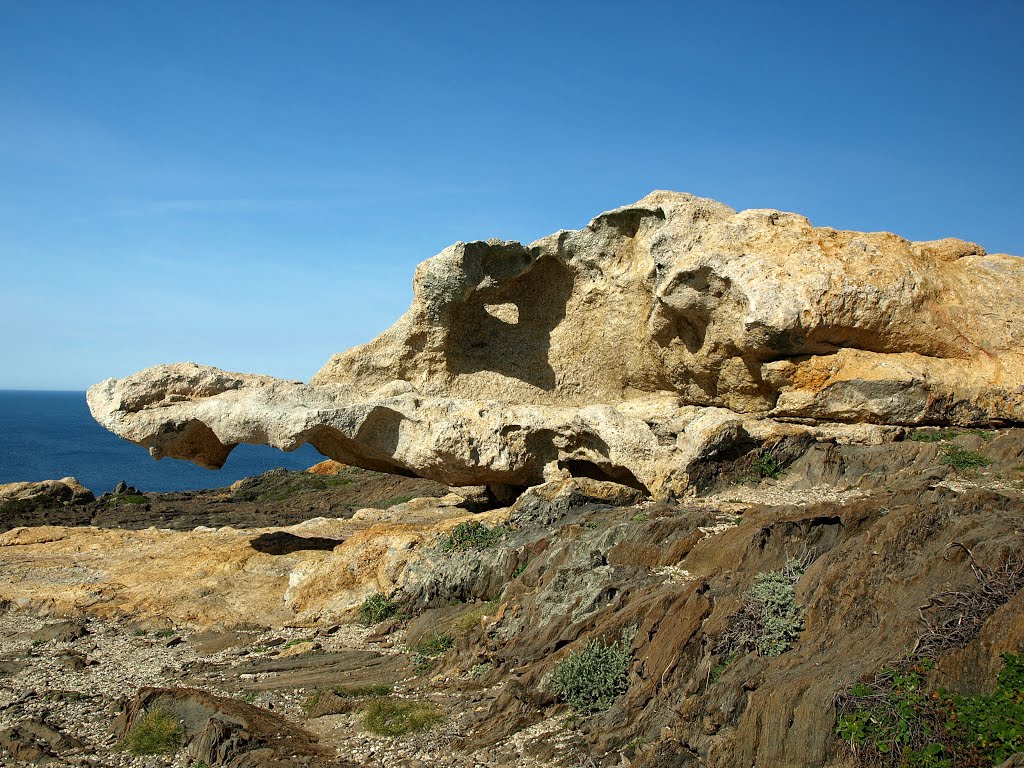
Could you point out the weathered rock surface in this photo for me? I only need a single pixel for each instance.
(47, 492)
(663, 333)
(225, 732)
(885, 531)
(319, 570)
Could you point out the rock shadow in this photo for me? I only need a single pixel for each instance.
(283, 543)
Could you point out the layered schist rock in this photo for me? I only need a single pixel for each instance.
(663, 333)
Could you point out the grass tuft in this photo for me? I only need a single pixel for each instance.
(157, 732)
(962, 459)
(348, 692)
(396, 717)
(766, 466)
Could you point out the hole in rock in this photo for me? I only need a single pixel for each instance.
(507, 313)
(481, 339)
(283, 543)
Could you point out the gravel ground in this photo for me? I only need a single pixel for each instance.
(78, 685)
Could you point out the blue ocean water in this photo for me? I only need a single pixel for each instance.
(49, 435)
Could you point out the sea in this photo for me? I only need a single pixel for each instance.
(50, 435)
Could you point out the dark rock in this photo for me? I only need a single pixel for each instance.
(35, 741)
(61, 632)
(327, 702)
(222, 731)
(73, 660)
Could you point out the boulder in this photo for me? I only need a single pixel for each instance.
(664, 334)
(45, 493)
(36, 741)
(220, 731)
(327, 468)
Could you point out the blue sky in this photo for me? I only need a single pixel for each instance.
(250, 184)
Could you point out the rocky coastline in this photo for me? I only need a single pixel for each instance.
(689, 486)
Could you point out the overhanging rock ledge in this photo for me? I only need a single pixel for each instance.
(664, 334)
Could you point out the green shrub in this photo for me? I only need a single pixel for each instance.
(376, 608)
(394, 717)
(427, 651)
(770, 619)
(589, 680)
(766, 465)
(157, 732)
(896, 720)
(718, 669)
(962, 459)
(434, 645)
(471, 535)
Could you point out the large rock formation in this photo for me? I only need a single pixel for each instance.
(663, 333)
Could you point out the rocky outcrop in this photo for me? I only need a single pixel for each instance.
(65, 491)
(46, 500)
(217, 730)
(663, 334)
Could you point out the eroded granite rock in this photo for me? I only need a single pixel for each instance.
(662, 334)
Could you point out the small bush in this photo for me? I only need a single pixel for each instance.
(719, 669)
(434, 646)
(427, 651)
(471, 535)
(770, 620)
(392, 717)
(589, 680)
(376, 609)
(962, 459)
(897, 720)
(157, 732)
(766, 466)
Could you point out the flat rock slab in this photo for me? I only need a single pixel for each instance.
(322, 670)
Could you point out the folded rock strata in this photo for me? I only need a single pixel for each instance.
(663, 333)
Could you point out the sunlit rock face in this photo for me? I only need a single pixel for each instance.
(663, 334)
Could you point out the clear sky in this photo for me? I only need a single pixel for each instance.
(250, 184)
